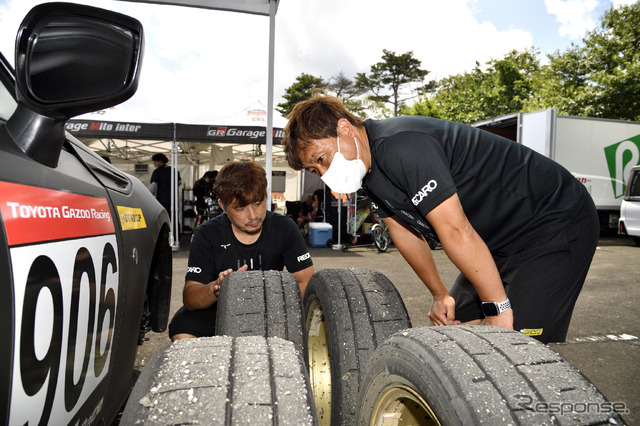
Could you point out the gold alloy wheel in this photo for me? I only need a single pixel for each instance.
(400, 405)
(319, 362)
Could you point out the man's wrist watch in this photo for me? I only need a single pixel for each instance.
(492, 309)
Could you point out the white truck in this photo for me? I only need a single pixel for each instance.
(598, 152)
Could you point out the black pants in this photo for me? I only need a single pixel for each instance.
(543, 280)
(199, 323)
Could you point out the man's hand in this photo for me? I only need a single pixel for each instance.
(215, 285)
(197, 295)
(504, 320)
(443, 310)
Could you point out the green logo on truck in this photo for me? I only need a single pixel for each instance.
(621, 157)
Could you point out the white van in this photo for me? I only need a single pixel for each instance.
(629, 223)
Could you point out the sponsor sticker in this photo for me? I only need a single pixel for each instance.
(33, 214)
(532, 331)
(65, 299)
(131, 218)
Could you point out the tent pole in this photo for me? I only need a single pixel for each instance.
(175, 244)
(273, 6)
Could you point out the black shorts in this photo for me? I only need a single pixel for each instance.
(199, 323)
(543, 280)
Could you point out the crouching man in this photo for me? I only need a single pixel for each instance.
(245, 237)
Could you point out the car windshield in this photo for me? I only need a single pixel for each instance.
(634, 184)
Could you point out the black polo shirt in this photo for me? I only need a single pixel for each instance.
(215, 248)
(510, 193)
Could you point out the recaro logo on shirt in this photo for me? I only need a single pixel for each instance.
(194, 269)
(430, 186)
(304, 257)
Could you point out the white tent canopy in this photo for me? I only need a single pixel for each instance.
(118, 134)
(257, 7)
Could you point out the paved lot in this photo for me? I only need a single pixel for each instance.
(603, 340)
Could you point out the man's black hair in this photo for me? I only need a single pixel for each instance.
(160, 157)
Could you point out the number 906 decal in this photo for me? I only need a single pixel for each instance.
(65, 280)
(65, 314)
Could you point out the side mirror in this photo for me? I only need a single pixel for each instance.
(70, 59)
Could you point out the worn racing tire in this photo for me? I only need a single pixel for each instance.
(462, 375)
(223, 380)
(348, 313)
(261, 303)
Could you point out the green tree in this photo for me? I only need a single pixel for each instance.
(502, 88)
(425, 106)
(600, 78)
(461, 98)
(612, 57)
(561, 84)
(512, 77)
(304, 88)
(345, 89)
(391, 80)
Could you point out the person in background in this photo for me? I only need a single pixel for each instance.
(202, 190)
(161, 181)
(304, 213)
(520, 228)
(245, 237)
(318, 202)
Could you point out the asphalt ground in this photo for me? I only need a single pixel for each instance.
(603, 339)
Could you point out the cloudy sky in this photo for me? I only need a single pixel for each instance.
(208, 66)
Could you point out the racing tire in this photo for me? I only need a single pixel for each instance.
(462, 375)
(348, 313)
(380, 239)
(223, 380)
(261, 303)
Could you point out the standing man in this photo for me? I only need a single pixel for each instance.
(202, 189)
(519, 227)
(245, 237)
(206, 201)
(318, 203)
(161, 181)
(304, 214)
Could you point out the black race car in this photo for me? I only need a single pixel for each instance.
(85, 257)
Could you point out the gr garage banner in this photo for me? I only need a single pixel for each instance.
(96, 129)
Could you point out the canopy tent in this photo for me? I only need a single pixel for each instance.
(244, 136)
(258, 7)
(195, 148)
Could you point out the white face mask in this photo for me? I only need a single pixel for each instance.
(345, 176)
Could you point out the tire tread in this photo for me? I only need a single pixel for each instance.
(261, 303)
(223, 380)
(361, 308)
(485, 373)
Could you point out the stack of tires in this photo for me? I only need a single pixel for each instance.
(346, 355)
(252, 372)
